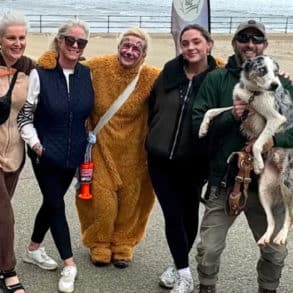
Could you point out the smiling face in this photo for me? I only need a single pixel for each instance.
(247, 48)
(131, 51)
(71, 46)
(13, 43)
(194, 46)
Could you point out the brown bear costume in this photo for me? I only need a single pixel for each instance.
(114, 221)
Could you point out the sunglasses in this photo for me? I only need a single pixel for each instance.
(245, 38)
(70, 41)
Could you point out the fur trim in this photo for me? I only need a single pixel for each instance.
(220, 62)
(48, 60)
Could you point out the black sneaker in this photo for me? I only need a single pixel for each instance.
(121, 264)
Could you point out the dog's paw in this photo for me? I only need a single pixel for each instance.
(258, 167)
(264, 240)
(203, 130)
(281, 238)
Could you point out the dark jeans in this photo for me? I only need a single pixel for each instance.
(53, 183)
(178, 189)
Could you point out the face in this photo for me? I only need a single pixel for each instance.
(249, 45)
(72, 44)
(13, 43)
(262, 72)
(131, 51)
(194, 46)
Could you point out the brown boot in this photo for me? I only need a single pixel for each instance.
(262, 290)
(207, 289)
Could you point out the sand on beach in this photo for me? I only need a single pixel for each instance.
(162, 47)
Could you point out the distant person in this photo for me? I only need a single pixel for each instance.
(249, 41)
(14, 71)
(113, 222)
(178, 167)
(52, 123)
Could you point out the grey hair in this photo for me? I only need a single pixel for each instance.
(137, 32)
(65, 27)
(12, 18)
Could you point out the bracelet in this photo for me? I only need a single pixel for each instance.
(37, 147)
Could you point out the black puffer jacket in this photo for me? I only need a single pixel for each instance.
(170, 130)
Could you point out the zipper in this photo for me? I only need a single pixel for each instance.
(69, 123)
(180, 121)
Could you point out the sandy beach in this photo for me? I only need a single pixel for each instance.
(162, 47)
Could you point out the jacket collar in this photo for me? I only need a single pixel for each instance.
(23, 64)
(234, 65)
(174, 75)
(76, 70)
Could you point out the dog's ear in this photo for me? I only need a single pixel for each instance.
(276, 67)
(247, 65)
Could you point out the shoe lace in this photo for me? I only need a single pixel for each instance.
(67, 272)
(184, 284)
(170, 273)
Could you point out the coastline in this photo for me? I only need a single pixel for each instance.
(162, 47)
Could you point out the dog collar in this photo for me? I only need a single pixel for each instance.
(251, 98)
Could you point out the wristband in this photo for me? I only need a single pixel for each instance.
(37, 147)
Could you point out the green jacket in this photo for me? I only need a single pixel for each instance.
(224, 132)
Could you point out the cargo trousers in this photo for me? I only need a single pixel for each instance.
(213, 232)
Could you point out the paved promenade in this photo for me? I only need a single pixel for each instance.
(151, 257)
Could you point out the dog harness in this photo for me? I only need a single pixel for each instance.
(237, 199)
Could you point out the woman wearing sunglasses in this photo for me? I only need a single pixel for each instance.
(52, 123)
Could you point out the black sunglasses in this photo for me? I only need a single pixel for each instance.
(245, 38)
(70, 41)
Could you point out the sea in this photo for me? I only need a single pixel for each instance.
(146, 7)
(219, 8)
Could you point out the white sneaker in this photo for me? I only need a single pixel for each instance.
(169, 277)
(68, 276)
(40, 258)
(183, 285)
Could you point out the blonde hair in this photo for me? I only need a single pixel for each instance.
(137, 32)
(9, 19)
(65, 27)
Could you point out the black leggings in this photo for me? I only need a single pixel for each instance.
(178, 191)
(53, 183)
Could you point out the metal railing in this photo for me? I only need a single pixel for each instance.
(153, 24)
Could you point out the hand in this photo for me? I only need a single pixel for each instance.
(249, 145)
(238, 109)
(284, 74)
(38, 149)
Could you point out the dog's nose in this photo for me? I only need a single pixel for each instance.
(274, 86)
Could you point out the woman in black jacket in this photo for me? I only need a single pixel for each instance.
(178, 167)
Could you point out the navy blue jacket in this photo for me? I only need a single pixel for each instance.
(61, 115)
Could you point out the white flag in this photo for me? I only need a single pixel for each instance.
(186, 12)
